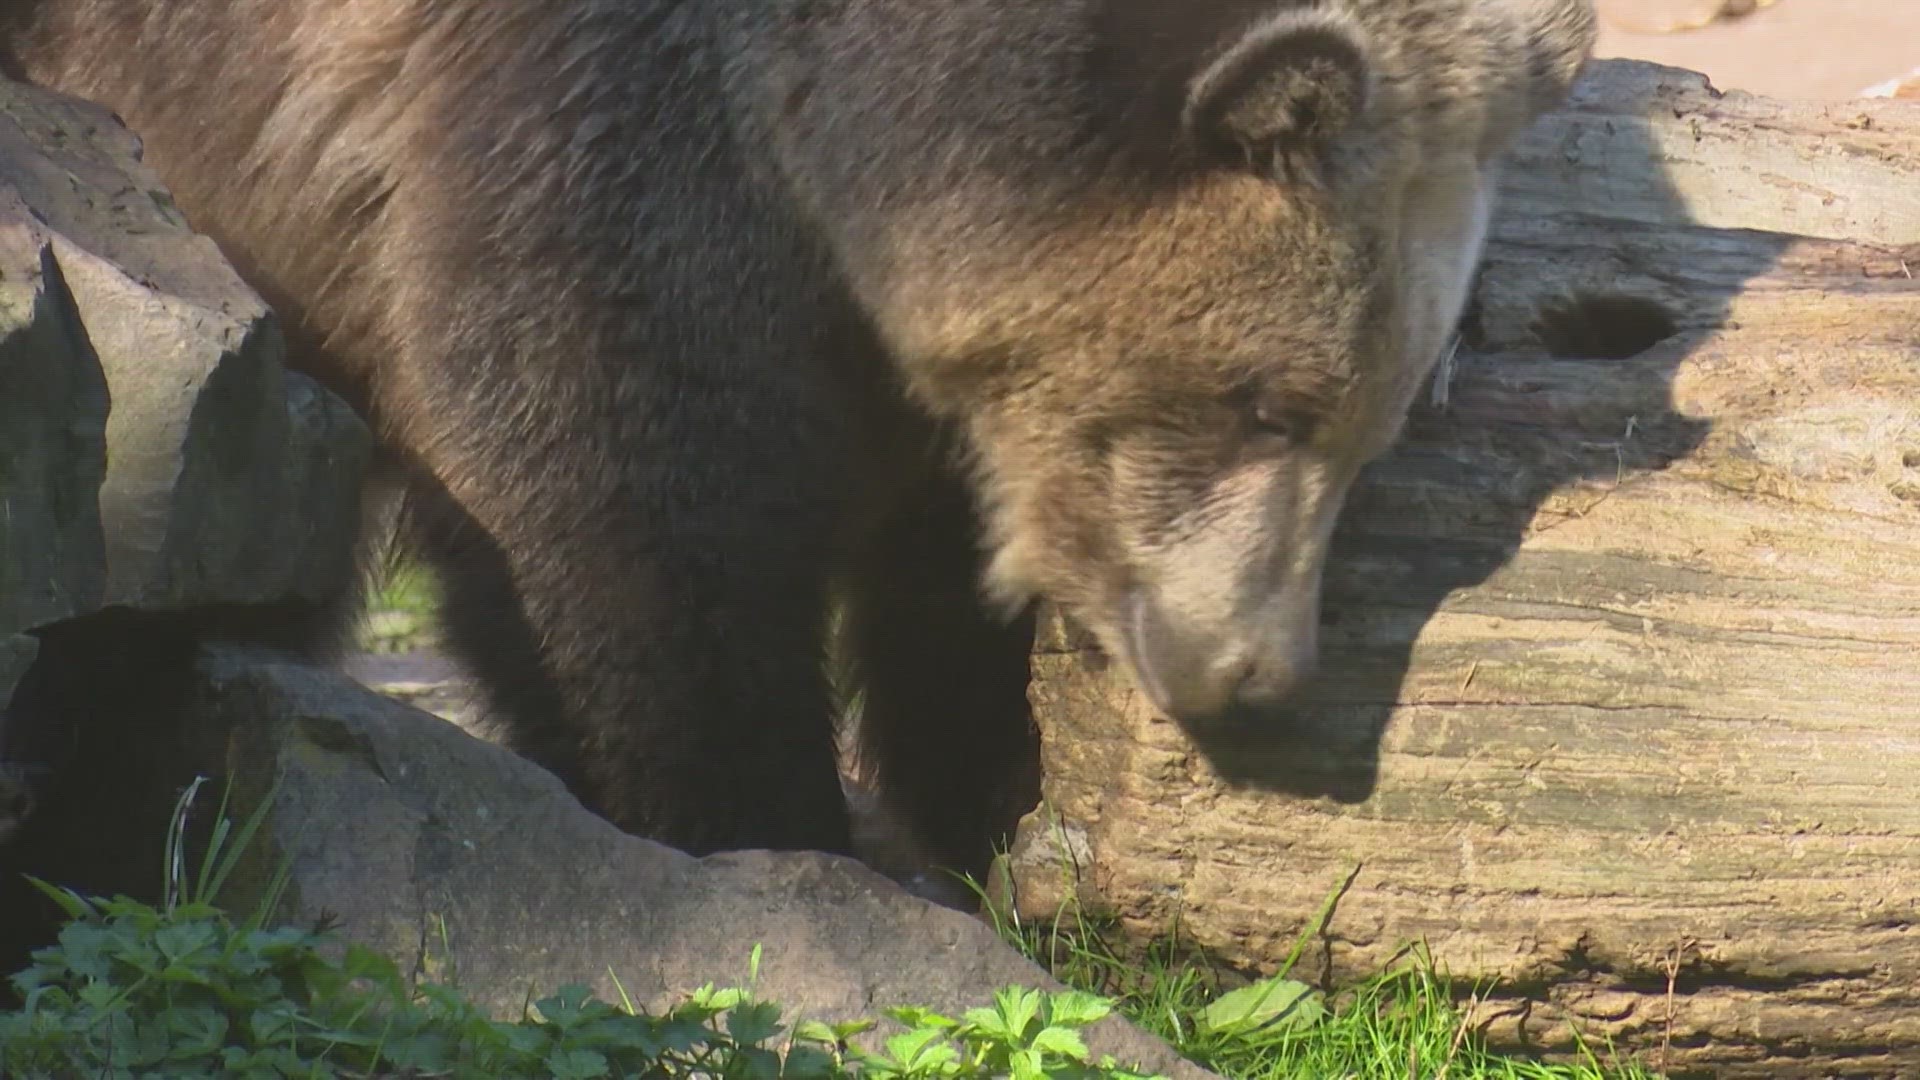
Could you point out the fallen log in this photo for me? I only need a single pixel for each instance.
(1621, 699)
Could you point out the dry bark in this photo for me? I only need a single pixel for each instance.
(1623, 644)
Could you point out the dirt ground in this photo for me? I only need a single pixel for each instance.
(1795, 48)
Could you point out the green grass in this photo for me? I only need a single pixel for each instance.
(1403, 1022)
(402, 611)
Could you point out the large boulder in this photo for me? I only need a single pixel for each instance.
(468, 862)
(156, 457)
(155, 453)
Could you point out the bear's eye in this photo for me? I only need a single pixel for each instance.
(1282, 420)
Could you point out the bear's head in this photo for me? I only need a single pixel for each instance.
(1193, 286)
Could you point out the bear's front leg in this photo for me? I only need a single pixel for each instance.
(628, 467)
(946, 735)
(663, 660)
(628, 456)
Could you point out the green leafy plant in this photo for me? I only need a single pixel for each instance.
(1027, 1034)
(134, 991)
(180, 990)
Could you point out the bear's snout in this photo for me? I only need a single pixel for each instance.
(1236, 676)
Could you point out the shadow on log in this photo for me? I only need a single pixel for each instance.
(1622, 645)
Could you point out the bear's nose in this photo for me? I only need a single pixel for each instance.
(1200, 680)
(1267, 680)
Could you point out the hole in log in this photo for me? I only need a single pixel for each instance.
(1589, 327)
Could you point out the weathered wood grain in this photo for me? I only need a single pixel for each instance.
(1622, 646)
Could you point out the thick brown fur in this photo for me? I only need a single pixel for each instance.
(670, 311)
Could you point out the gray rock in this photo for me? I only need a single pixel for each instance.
(53, 419)
(17, 781)
(157, 453)
(413, 833)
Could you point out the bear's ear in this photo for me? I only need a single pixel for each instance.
(1282, 94)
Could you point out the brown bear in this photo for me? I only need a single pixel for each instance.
(683, 320)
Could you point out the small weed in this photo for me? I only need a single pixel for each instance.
(403, 608)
